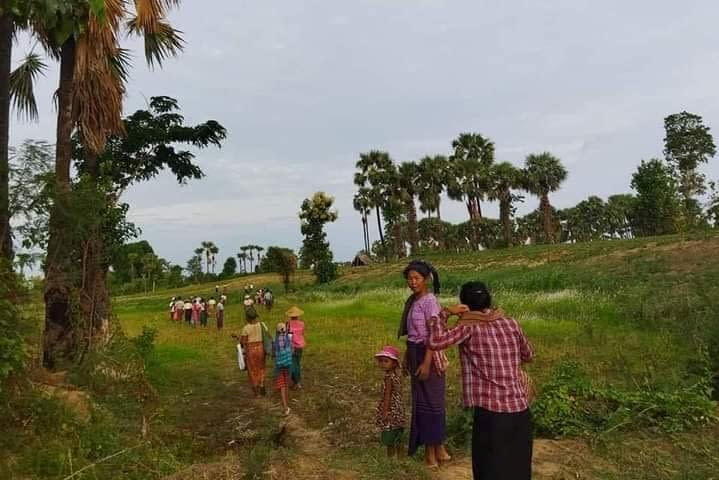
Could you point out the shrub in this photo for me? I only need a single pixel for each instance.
(11, 343)
(325, 271)
(570, 405)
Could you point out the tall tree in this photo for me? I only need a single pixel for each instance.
(688, 143)
(468, 180)
(620, 214)
(16, 87)
(543, 174)
(315, 213)
(363, 204)
(375, 169)
(84, 35)
(503, 178)
(242, 257)
(408, 178)
(214, 250)
(432, 182)
(658, 204)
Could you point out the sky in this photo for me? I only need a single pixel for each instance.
(304, 86)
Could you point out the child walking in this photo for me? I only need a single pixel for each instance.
(296, 328)
(282, 353)
(390, 416)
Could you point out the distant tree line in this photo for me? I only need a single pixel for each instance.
(670, 195)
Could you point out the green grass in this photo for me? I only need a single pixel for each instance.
(634, 314)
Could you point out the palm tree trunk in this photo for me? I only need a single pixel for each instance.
(546, 209)
(505, 206)
(439, 215)
(60, 338)
(6, 28)
(474, 219)
(365, 233)
(413, 234)
(379, 226)
(95, 303)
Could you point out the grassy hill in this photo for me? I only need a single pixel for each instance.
(626, 335)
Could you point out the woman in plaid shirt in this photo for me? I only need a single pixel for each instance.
(492, 349)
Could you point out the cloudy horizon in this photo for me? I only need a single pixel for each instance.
(304, 87)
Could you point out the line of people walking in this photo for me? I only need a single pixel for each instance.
(257, 345)
(197, 311)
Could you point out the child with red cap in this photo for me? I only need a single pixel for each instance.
(390, 411)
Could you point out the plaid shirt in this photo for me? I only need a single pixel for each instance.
(491, 355)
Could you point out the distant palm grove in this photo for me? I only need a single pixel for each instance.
(670, 195)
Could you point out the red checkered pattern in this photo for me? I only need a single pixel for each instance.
(491, 355)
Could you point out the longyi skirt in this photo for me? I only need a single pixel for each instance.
(429, 412)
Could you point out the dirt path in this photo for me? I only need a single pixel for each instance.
(552, 460)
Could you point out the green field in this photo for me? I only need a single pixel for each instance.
(626, 337)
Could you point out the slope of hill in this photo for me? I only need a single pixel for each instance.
(626, 336)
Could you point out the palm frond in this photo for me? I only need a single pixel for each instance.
(161, 40)
(22, 86)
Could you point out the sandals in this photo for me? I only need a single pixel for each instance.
(287, 411)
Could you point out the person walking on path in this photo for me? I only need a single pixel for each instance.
(269, 300)
(426, 366)
(282, 353)
(196, 307)
(251, 338)
(179, 309)
(187, 307)
(203, 312)
(296, 327)
(390, 417)
(492, 349)
(212, 308)
(220, 315)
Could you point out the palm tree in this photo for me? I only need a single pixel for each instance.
(84, 36)
(245, 249)
(206, 248)
(363, 204)
(242, 257)
(214, 250)
(408, 179)
(469, 174)
(252, 258)
(16, 87)
(432, 181)
(544, 173)
(503, 178)
(259, 254)
(374, 170)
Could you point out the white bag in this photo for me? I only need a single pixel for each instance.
(240, 357)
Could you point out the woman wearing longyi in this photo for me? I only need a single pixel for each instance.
(492, 349)
(426, 366)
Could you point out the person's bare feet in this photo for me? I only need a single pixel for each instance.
(430, 457)
(442, 454)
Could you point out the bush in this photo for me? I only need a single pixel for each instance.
(325, 271)
(570, 405)
(11, 343)
(145, 342)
